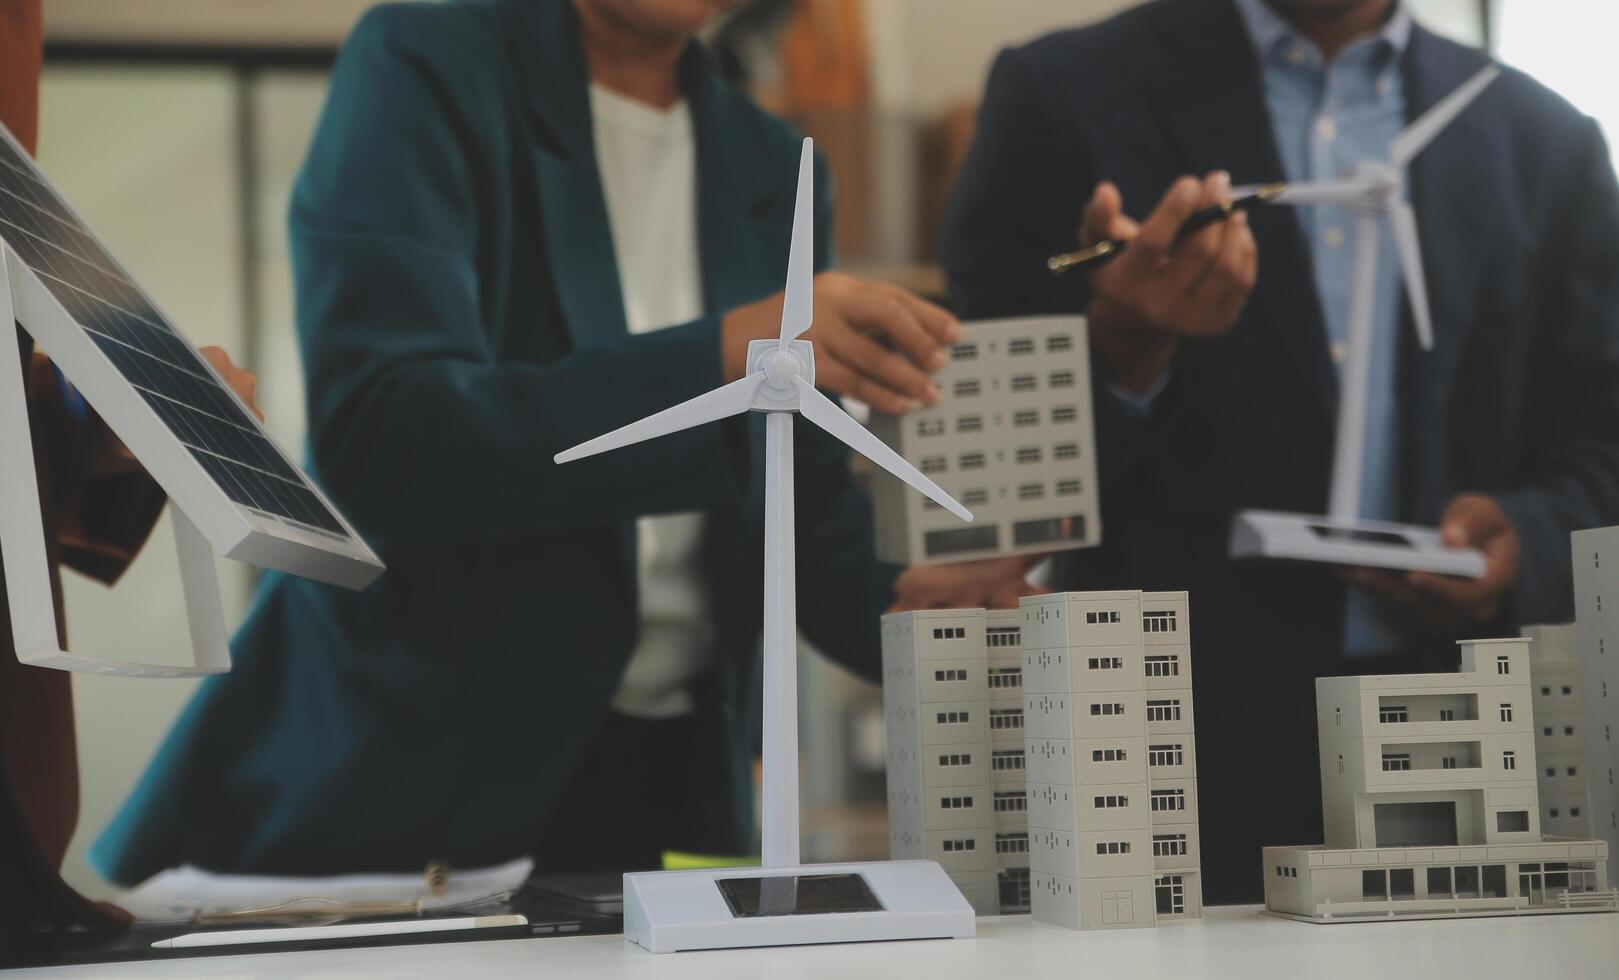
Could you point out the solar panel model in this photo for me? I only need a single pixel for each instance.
(231, 488)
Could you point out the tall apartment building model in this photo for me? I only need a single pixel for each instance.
(1430, 802)
(1596, 610)
(1112, 768)
(1011, 438)
(953, 708)
(1560, 764)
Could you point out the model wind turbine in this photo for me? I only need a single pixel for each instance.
(1343, 537)
(785, 903)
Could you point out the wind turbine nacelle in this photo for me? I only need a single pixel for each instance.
(780, 365)
(1382, 182)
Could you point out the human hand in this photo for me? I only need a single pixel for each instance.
(240, 381)
(1158, 290)
(993, 583)
(110, 457)
(1445, 603)
(874, 342)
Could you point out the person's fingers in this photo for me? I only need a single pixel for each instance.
(1382, 585)
(887, 316)
(841, 379)
(244, 383)
(1106, 207)
(1474, 520)
(1151, 247)
(887, 312)
(1194, 257)
(1471, 520)
(938, 321)
(887, 368)
(1395, 592)
(1219, 296)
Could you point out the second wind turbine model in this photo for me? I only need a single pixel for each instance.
(1372, 190)
(785, 903)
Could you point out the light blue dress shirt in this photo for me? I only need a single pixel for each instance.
(1328, 117)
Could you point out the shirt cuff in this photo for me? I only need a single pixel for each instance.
(1140, 404)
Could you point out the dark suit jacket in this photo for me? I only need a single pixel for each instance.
(459, 308)
(1520, 397)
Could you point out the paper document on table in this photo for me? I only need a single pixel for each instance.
(184, 892)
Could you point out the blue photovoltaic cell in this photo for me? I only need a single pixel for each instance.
(167, 371)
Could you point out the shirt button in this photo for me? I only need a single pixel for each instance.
(1339, 352)
(1384, 85)
(1333, 236)
(1326, 128)
(1296, 54)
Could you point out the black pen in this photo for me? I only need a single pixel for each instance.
(1103, 251)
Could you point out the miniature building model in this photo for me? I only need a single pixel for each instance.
(1560, 771)
(1596, 608)
(936, 716)
(953, 703)
(1011, 438)
(1008, 777)
(1112, 768)
(1428, 788)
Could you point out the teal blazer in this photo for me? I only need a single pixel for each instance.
(460, 317)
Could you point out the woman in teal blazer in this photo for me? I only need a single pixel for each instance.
(461, 321)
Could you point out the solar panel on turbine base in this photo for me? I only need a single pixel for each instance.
(236, 488)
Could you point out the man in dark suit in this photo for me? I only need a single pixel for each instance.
(1215, 360)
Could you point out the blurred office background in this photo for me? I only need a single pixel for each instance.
(177, 126)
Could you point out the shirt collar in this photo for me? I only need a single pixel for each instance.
(1266, 28)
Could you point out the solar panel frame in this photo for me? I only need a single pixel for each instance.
(324, 547)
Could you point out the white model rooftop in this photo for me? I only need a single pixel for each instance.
(1373, 190)
(1012, 437)
(230, 487)
(787, 903)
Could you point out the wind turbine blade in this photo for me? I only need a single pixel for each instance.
(798, 306)
(825, 413)
(1347, 191)
(1419, 134)
(1404, 221)
(732, 399)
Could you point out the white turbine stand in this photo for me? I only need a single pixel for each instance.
(785, 902)
(1343, 537)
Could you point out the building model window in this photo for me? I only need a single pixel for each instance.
(1162, 621)
(1165, 800)
(1164, 710)
(1160, 665)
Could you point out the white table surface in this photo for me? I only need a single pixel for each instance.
(1235, 942)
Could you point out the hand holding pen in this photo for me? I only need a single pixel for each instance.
(1164, 286)
(1107, 249)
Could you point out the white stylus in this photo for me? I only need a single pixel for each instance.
(242, 937)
